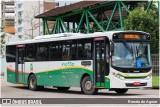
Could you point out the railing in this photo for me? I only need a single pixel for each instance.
(9, 23)
(9, 17)
(155, 64)
(11, 2)
(9, 10)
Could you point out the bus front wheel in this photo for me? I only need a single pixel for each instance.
(120, 91)
(32, 83)
(87, 86)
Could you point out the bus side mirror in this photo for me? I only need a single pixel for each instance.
(112, 47)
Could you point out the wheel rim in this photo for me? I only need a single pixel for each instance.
(88, 85)
(32, 82)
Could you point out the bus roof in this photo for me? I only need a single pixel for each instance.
(69, 36)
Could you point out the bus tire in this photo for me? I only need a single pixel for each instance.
(32, 83)
(63, 88)
(87, 86)
(120, 91)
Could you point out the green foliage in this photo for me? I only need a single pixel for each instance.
(155, 81)
(140, 20)
(2, 41)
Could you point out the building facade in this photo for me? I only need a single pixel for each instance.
(19, 15)
(26, 26)
(7, 16)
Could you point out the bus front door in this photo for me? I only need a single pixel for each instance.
(99, 61)
(20, 54)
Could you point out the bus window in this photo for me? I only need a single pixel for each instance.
(74, 51)
(55, 52)
(31, 52)
(88, 51)
(42, 54)
(10, 53)
(66, 52)
(84, 51)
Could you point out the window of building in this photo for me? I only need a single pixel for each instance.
(55, 51)
(19, 14)
(20, 36)
(57, 4)
(20, 5)
(19, 17)
(11, 53)
(31, 52)
(20, 21)
(20, 29)
(42, 52)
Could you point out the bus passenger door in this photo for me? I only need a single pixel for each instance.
(20, 54)
(99, 61)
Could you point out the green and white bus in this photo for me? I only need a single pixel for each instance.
(115, 60)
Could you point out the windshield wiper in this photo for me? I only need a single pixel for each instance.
(141, 44)
(126, 45)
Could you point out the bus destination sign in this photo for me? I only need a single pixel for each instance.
(131, 36)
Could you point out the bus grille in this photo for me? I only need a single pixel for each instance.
(132, 84)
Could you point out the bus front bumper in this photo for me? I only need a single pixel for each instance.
(130, 83)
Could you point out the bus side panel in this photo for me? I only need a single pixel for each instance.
(11, 75)
(67, 73)
(78, 70)
(55, 74)
(58, 73)
(39, 69)
(25, 74)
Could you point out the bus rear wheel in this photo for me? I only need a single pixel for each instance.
(32, 83)
(63, 88)
(87, 86)
(120, 91)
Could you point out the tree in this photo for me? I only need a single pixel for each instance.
(29, 18)
(2, 41)
(141, 20)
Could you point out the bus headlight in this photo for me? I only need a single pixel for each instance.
(119, 76)
(148, 77)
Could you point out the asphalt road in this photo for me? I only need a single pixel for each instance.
(9, 90)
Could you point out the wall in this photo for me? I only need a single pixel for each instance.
(27, 10)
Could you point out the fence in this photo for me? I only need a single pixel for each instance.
(155, 64)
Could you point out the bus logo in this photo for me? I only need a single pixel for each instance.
(6, 101)
(31, 67)
(68, 64)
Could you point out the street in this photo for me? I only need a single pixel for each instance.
(9, 90)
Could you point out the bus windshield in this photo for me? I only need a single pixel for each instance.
(131, 55)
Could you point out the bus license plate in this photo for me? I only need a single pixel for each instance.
(137, 83)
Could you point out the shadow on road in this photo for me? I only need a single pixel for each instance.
(70, 91)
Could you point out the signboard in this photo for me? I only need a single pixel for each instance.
(99, 39)
(20, 46)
